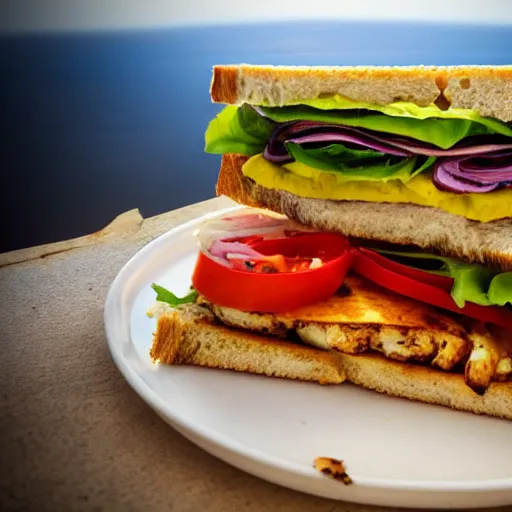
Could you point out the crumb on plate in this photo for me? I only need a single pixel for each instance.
(332, 468)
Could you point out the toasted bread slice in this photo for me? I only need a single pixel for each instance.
(190, 336)
(407, 224)
(485, 89)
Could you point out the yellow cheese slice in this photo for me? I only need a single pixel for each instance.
(305, 181)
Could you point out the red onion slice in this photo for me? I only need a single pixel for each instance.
(332, 138)
(455, 151)
(218, 237)
(303, 132)
(221, 249)
(476, 174)
(447, 182)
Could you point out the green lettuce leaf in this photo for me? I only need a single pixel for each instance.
(472, 282)
(359, 164)
(238, 130)
(164, 295)
(407, 109)
(500, 289)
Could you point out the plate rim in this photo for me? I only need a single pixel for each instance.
(111, 310)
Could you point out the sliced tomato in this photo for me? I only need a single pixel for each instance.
(426, 288)
(443, 282)
(277, 292)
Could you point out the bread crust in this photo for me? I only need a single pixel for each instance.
(406, 224)
(190, 336)
(224, 84)
(485, 89)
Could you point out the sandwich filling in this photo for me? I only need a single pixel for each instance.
(268, 275)
(335, 148)
(361, 318)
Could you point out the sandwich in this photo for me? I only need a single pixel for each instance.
(376, 243)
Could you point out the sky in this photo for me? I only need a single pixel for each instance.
(58, 15)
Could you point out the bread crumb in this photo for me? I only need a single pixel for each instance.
(332, 468)
(159, 309)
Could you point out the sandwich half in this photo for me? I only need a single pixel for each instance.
(416, 155)
(377, 246)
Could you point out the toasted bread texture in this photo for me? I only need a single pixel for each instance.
(190, 336)
(485, 89)
(407, 224)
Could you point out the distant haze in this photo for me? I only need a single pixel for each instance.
(58, 15)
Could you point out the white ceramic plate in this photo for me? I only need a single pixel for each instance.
(398, 453)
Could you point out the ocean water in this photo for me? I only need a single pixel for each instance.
(94, 124)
